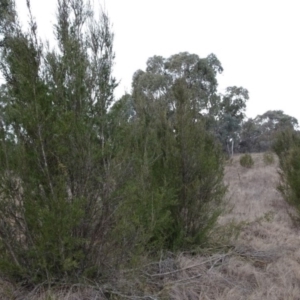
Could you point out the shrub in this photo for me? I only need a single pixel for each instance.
(246, 161)
(85, 190)
(56, 172)
(268, 158)
(287, 147)
(174, 198)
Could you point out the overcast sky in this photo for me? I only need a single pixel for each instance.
(257, 42)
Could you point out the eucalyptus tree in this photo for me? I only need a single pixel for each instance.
(231, 114)
(161, 75)
(271, 123)
(223, 113)
(258, 134)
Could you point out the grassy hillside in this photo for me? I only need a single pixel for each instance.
(262, 262)
(265, 264)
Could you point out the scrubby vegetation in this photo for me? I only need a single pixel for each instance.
(86, 190)
(259, 134)
(287, 147)
(246, 160)
(258, 262)
(269, 158)
(110, 192)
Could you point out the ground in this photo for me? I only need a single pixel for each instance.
(264, 261)
(261, 260)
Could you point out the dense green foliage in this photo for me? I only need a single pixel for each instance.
(179, 169)
(246, 160)
(56, 175)
(88, 184)
(287, 147)
(174, 190)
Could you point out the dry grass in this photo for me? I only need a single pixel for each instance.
(262, 263)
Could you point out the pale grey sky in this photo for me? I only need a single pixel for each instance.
(257, 41)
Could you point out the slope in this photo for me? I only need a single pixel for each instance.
(264, 261)
(261, 262)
